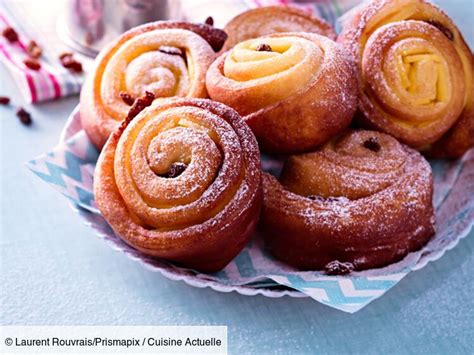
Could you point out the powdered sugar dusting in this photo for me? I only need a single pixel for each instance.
(134, 64)
(274, 19)
(379, 35)
(220, 167)
(364, 201)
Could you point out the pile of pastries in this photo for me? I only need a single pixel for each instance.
(181, 113)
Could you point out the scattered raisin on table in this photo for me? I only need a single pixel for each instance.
(10, 34)
(32, 64)
(68, 62)
(4, 100)
(24, 116)
(34, 50)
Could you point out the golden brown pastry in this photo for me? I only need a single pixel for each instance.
(415, 75)
(263, 21)
(295, 90)
(363, 201)
(165, 58)
(181, 182)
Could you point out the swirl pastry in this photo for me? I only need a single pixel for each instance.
(182, 182)
(163, 58)
(415, 75)
(363, 201)
(295, 90)
(263, 21)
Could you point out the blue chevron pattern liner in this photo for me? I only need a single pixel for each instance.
(348, 294)
(69, 169)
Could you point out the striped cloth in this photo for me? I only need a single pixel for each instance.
(53, 81)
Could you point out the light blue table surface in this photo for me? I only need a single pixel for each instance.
(54, 271)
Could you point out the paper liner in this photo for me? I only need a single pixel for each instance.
(69, 169)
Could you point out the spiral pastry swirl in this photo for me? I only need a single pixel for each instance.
(415, 75)
(164, 58)
(182, 182)
(295, 90)
(266, 20)
(363, 200)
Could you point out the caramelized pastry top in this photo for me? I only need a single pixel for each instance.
(273, 19)
(364, 199)
(415, 75)
(181, 181)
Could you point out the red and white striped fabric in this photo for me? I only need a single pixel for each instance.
(52, 81)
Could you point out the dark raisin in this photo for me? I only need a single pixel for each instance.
(76, 67)
(32, 64)
(263, 47)
(447, 32)
(336, 267)
(214, 36)
(127, 98)
(24, 116)
(175, 170)
(34, 50)
(10, 34)
(139, 104)
(316, 198)
(372, 144)
(209, 21)
(171, 50)
(73, 65)
(322, 199)
(70, 63)
(4, 100)
(327, 199)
